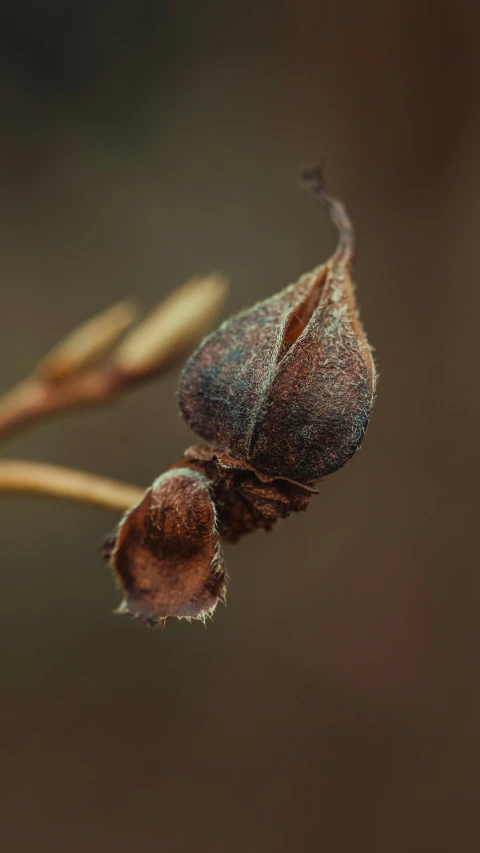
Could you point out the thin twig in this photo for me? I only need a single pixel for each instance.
(312, 178)
(33, 400)
(36, 478)
(81, 372)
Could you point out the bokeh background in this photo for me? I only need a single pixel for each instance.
(334, 705)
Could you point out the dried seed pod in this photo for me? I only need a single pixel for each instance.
(166, 553)
(288, 385)
(283, 394)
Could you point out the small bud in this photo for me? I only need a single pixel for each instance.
(287, 386)
(167, 553)
(87, 343)
(170, 331)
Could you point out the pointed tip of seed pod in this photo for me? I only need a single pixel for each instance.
(312, 178)
(172, 329)
(87, 343)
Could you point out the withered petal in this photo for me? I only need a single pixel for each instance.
(167, 555)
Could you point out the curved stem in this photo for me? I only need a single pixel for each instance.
(20, 405)
(313, 179)
(66, 483)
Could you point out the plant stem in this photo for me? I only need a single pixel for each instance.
(67, 484)
(33, 400)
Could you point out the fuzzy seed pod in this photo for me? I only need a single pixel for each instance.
(287, 386)
(166, 553)
(282, 393)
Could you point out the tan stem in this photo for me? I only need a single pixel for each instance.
(67, 484)
(35, 400)
(74, 373)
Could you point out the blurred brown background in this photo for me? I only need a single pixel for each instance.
(334, 705)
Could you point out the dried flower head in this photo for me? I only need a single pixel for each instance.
(282, 393)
